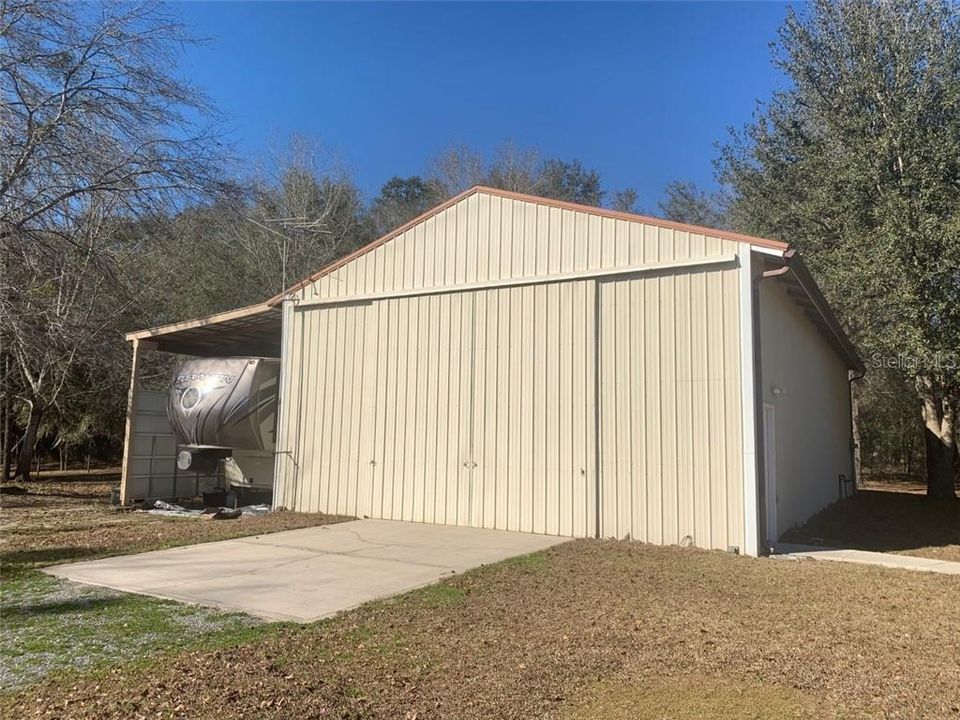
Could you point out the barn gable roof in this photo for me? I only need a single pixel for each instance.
(537, 200)
(804, 288)
(264, 317)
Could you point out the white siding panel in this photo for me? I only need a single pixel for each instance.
(812, 409)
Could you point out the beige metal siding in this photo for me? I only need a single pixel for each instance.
(463, 408)
(812, 409)
(670, 407)
(486, 237)
(479, 406)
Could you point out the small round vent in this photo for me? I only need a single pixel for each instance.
(191, 396)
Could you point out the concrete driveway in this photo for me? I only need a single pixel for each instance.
(305, 575)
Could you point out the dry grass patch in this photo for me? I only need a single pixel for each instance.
(51, 626)
(690, 698)
(537, 637)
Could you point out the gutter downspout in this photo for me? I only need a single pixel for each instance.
(854, 429)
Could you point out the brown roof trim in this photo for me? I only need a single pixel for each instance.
(634, 217)
(510, 195)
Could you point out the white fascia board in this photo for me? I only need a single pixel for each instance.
(767, 251)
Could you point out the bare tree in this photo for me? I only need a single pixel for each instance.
(95, 130)
(306, 212)
(455, 170)
(515, 168)
(625, 200)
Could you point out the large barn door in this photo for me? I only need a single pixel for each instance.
(472, 408)
(531, 454)
(421, 425)
(669, 409)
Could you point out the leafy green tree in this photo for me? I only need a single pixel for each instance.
(625, 200)
(687, 203)
(857, 163)
(400, 200)
(570, 181)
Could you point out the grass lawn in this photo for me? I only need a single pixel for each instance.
(585, 630)
(886, 520)
(50, 626)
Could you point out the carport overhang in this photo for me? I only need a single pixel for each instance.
(252, 331)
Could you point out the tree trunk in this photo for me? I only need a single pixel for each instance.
(7, 412)
(29, 443)
(940, 478)
(7, 444)
(940, 440)
(855, 435)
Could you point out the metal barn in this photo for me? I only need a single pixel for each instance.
(513, 362)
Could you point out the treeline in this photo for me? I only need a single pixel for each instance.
(120, 208)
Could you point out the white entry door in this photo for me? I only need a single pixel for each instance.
(770, 471)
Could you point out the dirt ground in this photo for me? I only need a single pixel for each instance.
(886, 518)
(70, 518)
(587, 629)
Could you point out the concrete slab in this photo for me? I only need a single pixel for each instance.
(309, 574)
(788, 551)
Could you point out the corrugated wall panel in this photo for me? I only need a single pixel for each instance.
(484, 238)
(670, 408)
(467, 409)
(811, 409)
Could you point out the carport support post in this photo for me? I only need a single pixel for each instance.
(281, 457)
(134, 390)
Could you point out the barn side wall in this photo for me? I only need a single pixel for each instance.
(811, 407)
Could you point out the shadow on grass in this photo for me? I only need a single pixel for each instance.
(21, 561)
(62, 607)
(883, 521)
(46, 500)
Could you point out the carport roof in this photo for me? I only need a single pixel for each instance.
(248, 331)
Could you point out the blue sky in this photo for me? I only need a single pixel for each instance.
(640, 92)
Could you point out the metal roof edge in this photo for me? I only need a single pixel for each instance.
(236, 313)
(534, 199)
